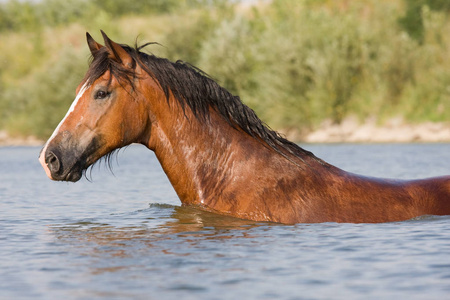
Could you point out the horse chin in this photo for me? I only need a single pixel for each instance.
(73, 176)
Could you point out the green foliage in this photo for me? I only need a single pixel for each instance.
(16, 15)
(37, 103)
(184, 40)
(412, 21)
(299, 63)
(296, 63)
(125, 7)
(27, 15)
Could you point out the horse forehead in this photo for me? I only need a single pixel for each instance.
(82, 87)
(78, 89)
(106, 76)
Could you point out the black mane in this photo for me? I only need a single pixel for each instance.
(196, 90)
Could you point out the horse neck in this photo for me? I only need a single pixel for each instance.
(203, 158)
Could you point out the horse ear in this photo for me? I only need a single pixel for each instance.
(93, 45)
(117, 52)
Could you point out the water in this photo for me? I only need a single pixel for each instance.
(125, 236)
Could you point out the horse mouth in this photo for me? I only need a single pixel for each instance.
(73, 176)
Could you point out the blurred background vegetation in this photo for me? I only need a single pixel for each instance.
(297, 63)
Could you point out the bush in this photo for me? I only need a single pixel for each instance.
(296, 63)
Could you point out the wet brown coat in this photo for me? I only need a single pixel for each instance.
(220, 168)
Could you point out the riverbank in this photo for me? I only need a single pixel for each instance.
(7, 140)
(349, 131)
(393, 131)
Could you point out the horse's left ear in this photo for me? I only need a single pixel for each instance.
(117, 52)
(93, 45)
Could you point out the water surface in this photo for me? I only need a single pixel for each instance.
(125, 236)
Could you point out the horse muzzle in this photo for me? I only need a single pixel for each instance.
(64, 158)
(61, 166)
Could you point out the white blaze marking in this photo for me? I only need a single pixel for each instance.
(55, 132)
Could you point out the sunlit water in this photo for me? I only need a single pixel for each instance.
(125, 236)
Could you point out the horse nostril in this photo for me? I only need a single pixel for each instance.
(52, 162)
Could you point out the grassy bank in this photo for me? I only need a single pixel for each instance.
(296, 63)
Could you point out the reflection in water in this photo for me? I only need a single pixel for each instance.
(160, 230)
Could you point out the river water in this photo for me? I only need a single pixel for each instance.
(123, 235)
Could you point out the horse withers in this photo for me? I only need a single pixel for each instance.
(218, 155)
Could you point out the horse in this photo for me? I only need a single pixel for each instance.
(217, 154)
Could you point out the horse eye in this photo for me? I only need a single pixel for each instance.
(101, 95)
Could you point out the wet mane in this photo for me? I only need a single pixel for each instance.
(196, 90)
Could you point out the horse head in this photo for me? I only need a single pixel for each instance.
(106, 114)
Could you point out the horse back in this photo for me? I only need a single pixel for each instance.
(431, 194)
(353, 198)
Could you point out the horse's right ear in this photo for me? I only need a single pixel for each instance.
(93, 45)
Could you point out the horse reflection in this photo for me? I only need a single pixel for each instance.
(185, 225)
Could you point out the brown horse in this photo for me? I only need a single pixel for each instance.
(215, 151)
